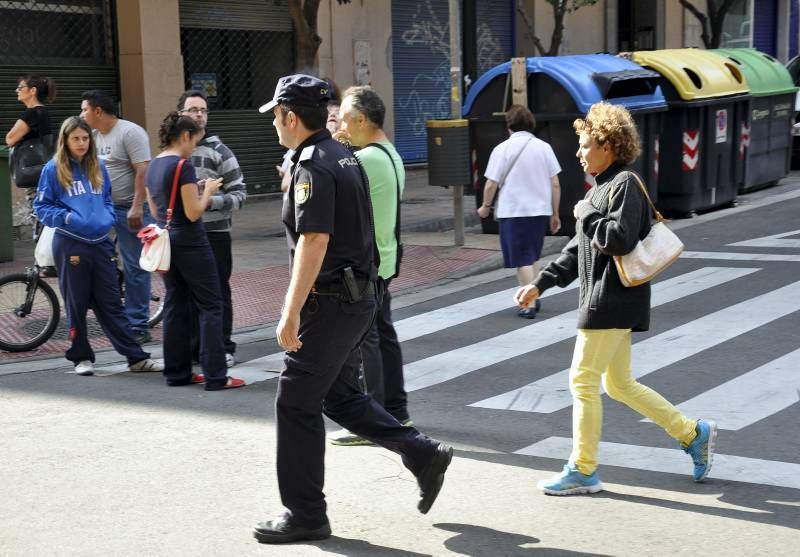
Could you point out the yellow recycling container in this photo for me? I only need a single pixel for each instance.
(699, 147)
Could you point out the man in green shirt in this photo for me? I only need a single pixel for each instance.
(361, 116)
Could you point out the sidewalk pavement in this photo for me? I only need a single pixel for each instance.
(261, 260)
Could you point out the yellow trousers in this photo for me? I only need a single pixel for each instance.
(606, 354)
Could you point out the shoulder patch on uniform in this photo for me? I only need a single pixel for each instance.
(306, 153)
(302, 192)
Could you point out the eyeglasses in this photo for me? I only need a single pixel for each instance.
(195, 110)
(21, 87)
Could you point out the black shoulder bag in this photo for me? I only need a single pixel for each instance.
(28, 158)
(397, 221)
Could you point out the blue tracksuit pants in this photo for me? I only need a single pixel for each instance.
(88, 279)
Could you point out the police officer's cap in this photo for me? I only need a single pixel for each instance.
(299, 89)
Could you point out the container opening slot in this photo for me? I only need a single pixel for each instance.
(737, 75)
(698, 83)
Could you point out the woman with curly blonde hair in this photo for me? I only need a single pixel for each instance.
(611, 220)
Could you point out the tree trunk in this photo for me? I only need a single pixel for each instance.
(306, 39)
(558, 29)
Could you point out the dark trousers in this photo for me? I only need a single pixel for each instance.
(220, 243)
(323, 377)
(383, 360)
(192, 285)
(88, 279)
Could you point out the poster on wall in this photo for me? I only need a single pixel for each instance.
(205, 82)
(362, 63)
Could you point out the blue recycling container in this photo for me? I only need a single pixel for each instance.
(561, 89)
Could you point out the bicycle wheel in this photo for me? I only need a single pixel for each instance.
(18, 332)
(157, 295)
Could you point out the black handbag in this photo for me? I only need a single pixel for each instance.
(28, 157)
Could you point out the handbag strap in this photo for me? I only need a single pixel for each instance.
(397, 182)
(513, 162)
(174, 191)
(659, 216)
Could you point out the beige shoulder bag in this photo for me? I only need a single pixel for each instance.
(653, 254)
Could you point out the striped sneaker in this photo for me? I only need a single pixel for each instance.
(146, 365)
(571, 482)
(346, 438)
(702, 449)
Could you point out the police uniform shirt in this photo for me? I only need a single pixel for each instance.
(328, 195)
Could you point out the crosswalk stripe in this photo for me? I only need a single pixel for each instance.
(751, 397)
(438, 319)
(450, 316)
(773, 241)
(455, 363)
(675, 461)
(733, 256)
(550, 393)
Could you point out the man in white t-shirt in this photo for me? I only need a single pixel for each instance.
(525, 170)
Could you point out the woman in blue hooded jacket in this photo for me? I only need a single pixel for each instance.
(74, 197)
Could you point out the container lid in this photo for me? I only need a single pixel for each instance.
(588, 79)
(765, 75)
(695, 74)
(457, 123)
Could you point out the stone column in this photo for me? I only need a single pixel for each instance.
(150, 61)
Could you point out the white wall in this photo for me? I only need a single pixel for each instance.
(361, 20)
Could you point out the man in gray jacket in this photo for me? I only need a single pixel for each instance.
(212, 159)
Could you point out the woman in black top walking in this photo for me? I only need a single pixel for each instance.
(33, 91)
(192, 282)
(611, 220)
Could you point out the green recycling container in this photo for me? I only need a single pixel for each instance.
(6, 222)
(766, 145)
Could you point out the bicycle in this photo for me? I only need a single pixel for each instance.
(30, 309)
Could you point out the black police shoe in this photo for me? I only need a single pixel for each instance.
(283, 530)
(431, 478)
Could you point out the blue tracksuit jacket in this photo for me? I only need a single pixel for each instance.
(77, 212)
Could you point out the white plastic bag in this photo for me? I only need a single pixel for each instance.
(156, 252)
(44, 248)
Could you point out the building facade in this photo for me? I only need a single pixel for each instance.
(146, 52)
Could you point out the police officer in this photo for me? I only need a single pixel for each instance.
(329, 306)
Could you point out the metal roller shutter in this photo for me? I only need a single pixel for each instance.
(765, 30)
(238, 49)
(421, 69)
(72, 43)
(495, 33)
(794, 29)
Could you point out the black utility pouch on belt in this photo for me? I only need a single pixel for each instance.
(352, 292)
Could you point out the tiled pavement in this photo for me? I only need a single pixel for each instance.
(261, 270)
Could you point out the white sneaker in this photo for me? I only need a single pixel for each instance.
(145, 366)
(230, 361)
(84, 368)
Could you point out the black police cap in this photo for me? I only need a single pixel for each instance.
(299, 89)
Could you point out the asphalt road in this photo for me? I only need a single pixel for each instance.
(120, 464)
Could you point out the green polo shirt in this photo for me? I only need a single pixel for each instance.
(383, 192)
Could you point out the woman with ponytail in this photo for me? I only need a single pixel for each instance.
(192, 282)
(74, 197)
(34, 92)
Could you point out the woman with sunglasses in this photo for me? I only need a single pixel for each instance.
(34, 92)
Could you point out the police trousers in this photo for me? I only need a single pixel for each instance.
(88, 279)
(323, 376)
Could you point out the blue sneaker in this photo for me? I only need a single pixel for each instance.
(571, 482)
(702, 449)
